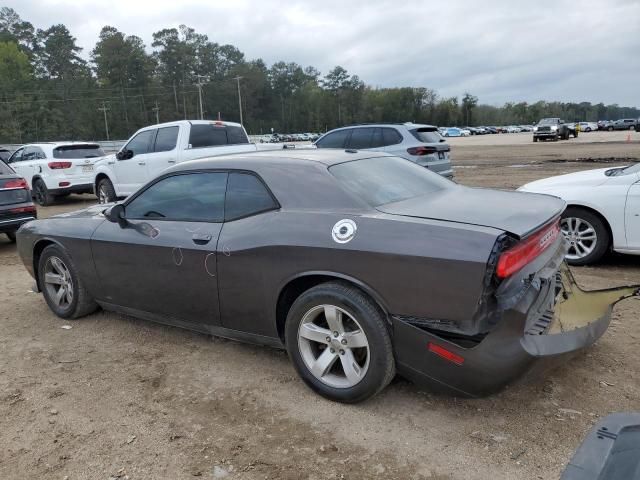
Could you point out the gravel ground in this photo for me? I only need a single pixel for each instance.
(115, 397)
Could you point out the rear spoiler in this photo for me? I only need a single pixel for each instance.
(610, 451)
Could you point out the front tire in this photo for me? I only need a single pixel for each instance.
(11, 236)
(339, 343)
(587, 235)
(61, 285)
(106, 192)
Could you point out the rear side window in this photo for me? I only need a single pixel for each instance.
(166, 139)
(334, 139)
(426, 135)
(141, 143)
(78, 151)
(195, 197)
(211, 135)
(246, 195)
(361, 138)
(390, 136)
(236, 135)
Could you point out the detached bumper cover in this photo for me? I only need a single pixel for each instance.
(611, 451)
(552, 318)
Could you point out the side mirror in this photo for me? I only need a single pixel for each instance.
(124, 154)
(115, 214)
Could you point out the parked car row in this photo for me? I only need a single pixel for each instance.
(621, 124)
(288, 137)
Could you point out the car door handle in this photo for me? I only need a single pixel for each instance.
(141, 163)
(201, 238)
(171, 161)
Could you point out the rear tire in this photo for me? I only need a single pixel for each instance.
(41, 193)
(579, 226)
(535, 139)
(61, 285)
(106, 193)
(11, 236)
(339, 343)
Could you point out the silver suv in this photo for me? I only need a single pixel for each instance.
(421, 144)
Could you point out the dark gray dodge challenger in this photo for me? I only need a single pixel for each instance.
(360, 264)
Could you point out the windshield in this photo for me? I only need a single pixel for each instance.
(383, 180)
(548, 121)
(78, 151)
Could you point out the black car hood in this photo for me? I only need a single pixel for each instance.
(514, 212)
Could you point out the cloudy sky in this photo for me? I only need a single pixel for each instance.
(499, 50)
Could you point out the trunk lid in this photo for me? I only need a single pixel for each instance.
(10, 193)
(517, 213)
(81, 156)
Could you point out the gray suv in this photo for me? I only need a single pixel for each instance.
(422, 144)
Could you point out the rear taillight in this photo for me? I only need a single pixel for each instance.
(29, 209)
(524, 252)
(59, 165)
(421, 150)
(17, 183)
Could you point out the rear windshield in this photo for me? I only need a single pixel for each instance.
(5, 169)
(383, 180)
(426, 135)
(5, 154)
(211, 135)
(78, 151)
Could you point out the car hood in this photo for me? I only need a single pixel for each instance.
(587, 178)
(85, 212)
(514, 212)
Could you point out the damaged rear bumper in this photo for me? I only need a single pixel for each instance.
(553, 318)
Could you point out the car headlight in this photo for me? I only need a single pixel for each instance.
(535, 129)
(554, 128)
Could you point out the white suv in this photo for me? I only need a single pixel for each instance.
(56, 169)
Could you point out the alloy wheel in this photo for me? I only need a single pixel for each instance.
(333, 346)
(581, 236)
(58, 282)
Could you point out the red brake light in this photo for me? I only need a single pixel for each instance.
(59, 165)
(421, 150)
(444, 353)
(29, 209)
(524, 252)
(17, 183)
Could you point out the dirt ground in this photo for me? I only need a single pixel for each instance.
(115, 397)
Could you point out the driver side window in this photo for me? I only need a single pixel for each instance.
(17, 156)
(187, 197)
(141, 143)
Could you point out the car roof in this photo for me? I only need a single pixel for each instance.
(387, 124)
(57, 144)
(325, 156)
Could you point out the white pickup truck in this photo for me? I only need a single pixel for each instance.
(152, 149)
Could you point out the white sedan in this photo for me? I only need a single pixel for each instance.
(603, 211)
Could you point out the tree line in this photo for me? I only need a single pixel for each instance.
(50, 92)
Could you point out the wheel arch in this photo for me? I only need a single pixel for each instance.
(594, 211)
(297, 285)
(100, 175)
(38, 248)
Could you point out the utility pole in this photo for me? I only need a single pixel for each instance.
(157, 110)
(104, 109)
(238, 78)
(199, 85)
